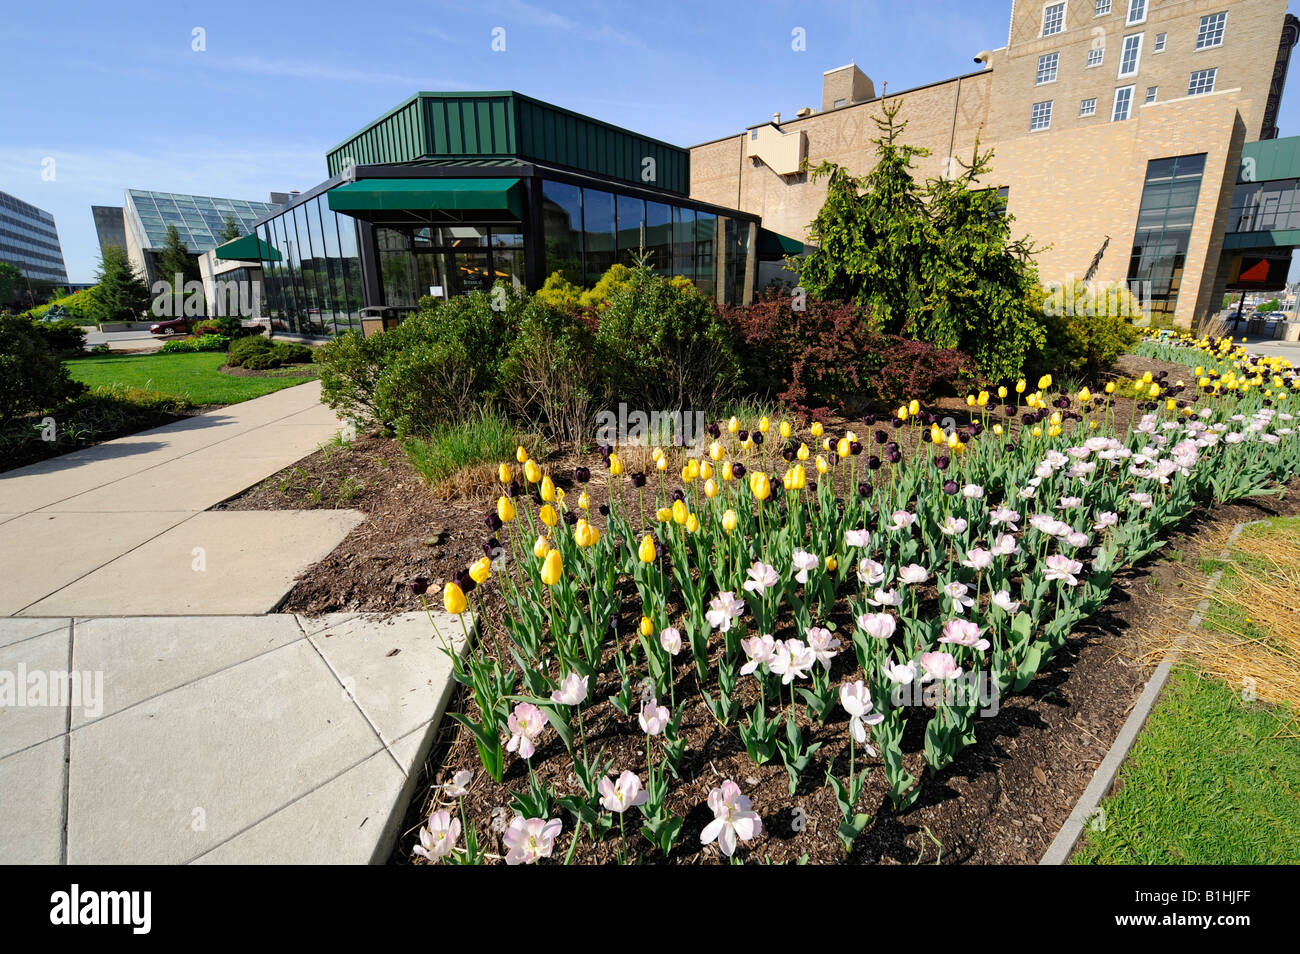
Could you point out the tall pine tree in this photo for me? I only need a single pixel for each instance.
(121, 294)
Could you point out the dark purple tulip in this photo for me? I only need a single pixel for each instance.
(873, 462)
(714, 430)
(570, 517)
(492, 522)
(881, 437)
(513, 489)
(738, 471)
(678, 495)
(864, 488)
(869, 418)
(950, 487)
(742, 436)
(418, 586)
(855, 448)
(582, 474)
(788, 454)
(942, 462)
(638, 480)
(604, 510)
(758, 438)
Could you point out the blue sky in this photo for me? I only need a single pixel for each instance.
(115, 94)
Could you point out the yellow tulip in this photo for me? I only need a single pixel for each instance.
(733, 425)
(532, 473)
(1085, 396)
(687, 476)
(970, 400)
(706, 470)
(901, 413)
(826, 444)
(453, 598)
(480, 570)
(548, 488)
(785, 429)
(1155, 390)
(729, 520)
(832, 564)
(822, 466)
(982, 399)
(551, 568)
(803, 453)
(1037, 431)
(764, 424)
(663, 514)
(913, 407)
(726, 471)
(541, 547)
(843, 447)
(715, 451)
(679, 512)
(584, 500)
(1020, 386)
(692, 524)
(1170, 404)
(503, 473)
(997, 430)
(710, 488)
(505, 509)
(521, 455)
(693, 466)
(787, 480)
(1044, 382)
(1110, 387)
(647, 551)
(759, 485)
(953, 440)
(936, 434)
(817, 429)
(661, 464)
(657, 453)
(647, 628)
(615, 465)
(1054, 431)
(548, 515)
(1002, 391)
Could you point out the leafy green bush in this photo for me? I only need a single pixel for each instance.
(32, 378)
(1087, 332)
(261, 354)
(62, 337)
(660, 345)
(547, 376)
(241, 349)
(191, 345)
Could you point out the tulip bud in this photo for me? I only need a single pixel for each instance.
(997, 430)
(832, 564)
(480, 570)
(1002, 391)
(548, 488)
(982, 399)
(913, 407)
(647, 551)
(541, 547)
(679, 512)
(532, 473)
(733, 425)
(970, 400)
(1020, 386)
(764, 424)
(661, 464)
(503, 473)
(453, 598)
(729, 520)
(521, 455)
(710, 488)
(817, 429)
(803, 453)
(505, 509)
(785, 429)
(822, 466)
(692, 524)
(647, 628)
(759, 485)
(551, 568)
(842, 447)
(706, 470)
(1044, 382)
(548, 516)
(726, 471)
(715, 451)
(663, 515)
(615, 465)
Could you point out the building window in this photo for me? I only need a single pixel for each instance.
(1152, 93)
(1164, 228)
(1160, 42)
(1137, 11)
(1123, 104)
(1095, 56)
(1130, 55)
(1202, 82)
(1040, 117)
(1103, 8)
(1053, 19)
(836, 105)
(1047, 64)
(1088, 107)
(1210, 32)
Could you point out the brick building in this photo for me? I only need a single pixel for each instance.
(1118, 129)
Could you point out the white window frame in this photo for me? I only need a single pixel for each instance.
(1137, 60)
(1102, 8)
(1088, 64)
(1213, 72)
(1128, 112)
(1039, 73)
(1061, 27)
(1152, 94)
(1088, 110)
(1223, 31)
(1162, 41)
(1033, 119)
(1129, 20)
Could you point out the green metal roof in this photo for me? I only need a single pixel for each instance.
(1270, 159)
(463, 195)
(249, 248)
(507, 124)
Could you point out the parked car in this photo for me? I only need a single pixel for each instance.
(175, 326)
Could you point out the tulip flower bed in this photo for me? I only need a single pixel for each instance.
(907, 595)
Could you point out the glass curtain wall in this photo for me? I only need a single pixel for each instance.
(659, 237)
(311, 281)
(562, 228)
(1164, 228)
(631, 228)
(599, 232)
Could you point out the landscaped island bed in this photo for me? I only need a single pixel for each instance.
(984, 549)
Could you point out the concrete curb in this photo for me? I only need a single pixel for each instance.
(1058, 852)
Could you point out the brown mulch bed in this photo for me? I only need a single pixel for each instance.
(292, 371)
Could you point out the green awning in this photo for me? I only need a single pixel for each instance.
(776, 245)
(423, 195)
(250, 248)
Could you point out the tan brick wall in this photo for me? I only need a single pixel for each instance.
(1079, 181)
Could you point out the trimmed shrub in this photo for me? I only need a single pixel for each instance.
(241, 349)
(62, 337)
(193, 345)
(664, 346)
(32, 378)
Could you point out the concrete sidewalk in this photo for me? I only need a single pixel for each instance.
(121, 529)
(267, 739)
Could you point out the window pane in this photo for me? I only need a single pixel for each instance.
(599, 233)
(684, 242)
(562, 229)
(631, 228)
(659, 237)
(706, 232)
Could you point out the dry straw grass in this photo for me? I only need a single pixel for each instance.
(1251, 634)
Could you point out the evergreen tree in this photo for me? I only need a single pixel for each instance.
(10, 281)
(934, 261)
(121, 294)
(176, 259)
(230, 231)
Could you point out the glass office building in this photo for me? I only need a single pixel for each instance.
(30, 241)
(199, 220)
(452, 193)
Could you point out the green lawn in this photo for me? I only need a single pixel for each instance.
(192, 377)
(1204, 784)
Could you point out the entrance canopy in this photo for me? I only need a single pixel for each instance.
(378, 198)
(247, 249)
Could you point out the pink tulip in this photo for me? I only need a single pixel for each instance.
(939, 666)
(438, 837)
(619, 796)
(963, 633)
(733, 819)
(525, 723)
(528, 839)
(653, 717)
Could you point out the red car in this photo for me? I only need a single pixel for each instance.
(176, 326)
